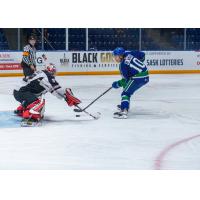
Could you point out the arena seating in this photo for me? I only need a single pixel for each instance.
(77, 39)
(3, 41)
(109, 38)
(178, 41)
(148, 43)
(192, 42)
(56, 38)
(193, 39)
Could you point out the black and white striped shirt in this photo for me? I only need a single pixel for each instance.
(29, 55)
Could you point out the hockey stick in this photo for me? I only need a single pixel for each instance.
(82, 110)
(93, 116)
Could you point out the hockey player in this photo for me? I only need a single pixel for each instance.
(134, 75)
(28, 63)
(41, 82)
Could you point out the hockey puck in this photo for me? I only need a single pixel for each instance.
(77, 110)
(77, 115)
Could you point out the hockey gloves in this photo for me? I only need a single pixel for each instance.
(115, 85)
(70, 98)
(120, 83)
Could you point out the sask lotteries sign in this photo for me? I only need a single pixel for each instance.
(172, 60)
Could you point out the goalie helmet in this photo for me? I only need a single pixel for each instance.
(51, 68)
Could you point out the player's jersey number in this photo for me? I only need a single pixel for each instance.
(137, 65)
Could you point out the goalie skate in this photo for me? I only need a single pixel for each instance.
(30, 123)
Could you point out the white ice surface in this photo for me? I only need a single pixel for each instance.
(164, 112)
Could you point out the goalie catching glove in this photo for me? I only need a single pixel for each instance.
(70, 98)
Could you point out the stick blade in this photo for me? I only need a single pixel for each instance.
(97, 115)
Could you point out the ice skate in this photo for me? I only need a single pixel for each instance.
(122, 114)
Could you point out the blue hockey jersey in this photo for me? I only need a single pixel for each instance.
(132, 65)
(137, 54)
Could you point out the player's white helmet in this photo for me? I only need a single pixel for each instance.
(51, 68)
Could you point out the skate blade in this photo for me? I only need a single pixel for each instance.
(30, 124)
(120, 117)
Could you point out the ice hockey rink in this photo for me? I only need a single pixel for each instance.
(162, 131)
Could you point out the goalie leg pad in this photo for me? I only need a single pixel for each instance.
(35, 110)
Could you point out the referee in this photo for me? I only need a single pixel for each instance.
(28, 63)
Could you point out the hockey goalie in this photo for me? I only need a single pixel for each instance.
(32, 105)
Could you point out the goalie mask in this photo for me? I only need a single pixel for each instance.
(51, 68)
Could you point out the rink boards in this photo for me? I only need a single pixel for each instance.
(101, 62)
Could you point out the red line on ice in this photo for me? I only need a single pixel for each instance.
(159, 159)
